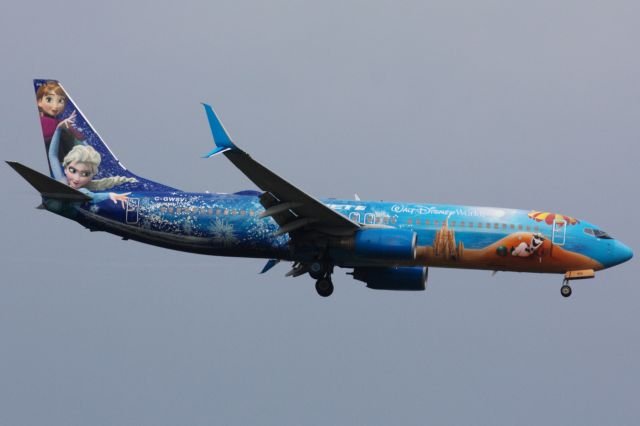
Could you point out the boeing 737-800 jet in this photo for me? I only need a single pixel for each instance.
(387, 245)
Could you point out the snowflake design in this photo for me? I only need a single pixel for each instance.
(188, 226)
(94, 208)
(222, 232)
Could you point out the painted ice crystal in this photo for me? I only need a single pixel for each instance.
(222, 232)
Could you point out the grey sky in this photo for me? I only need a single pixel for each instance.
(482, 103)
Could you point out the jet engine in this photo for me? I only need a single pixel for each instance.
(406, 278)
(388, 244)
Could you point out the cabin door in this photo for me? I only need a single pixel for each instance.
(559, 232)
(133, 204)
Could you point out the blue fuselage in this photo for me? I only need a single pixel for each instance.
(447, 235)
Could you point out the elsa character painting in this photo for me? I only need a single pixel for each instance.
(79, 167)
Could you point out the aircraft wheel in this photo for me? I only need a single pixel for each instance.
(317, 270)
(565, 290)
(324, 287)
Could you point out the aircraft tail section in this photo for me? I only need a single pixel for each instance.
(74, 147)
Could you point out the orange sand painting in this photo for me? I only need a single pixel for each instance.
(545, 257)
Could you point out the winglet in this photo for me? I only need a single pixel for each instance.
(220, 136)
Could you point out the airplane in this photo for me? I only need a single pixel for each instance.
(386, 245)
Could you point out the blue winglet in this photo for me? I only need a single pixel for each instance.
(220, 136)
(217, 150)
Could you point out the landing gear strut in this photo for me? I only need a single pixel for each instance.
(324, 286)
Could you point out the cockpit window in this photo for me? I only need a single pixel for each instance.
(597, 233)
(601, 234)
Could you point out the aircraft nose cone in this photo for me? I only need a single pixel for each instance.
(623, 253)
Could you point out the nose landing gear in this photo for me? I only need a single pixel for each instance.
(582, 274)
(565, 290)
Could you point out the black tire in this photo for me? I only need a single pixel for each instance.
(324, 287)
(565, 290)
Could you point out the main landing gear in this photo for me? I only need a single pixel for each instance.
(321, 271)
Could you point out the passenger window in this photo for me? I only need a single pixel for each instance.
(418, 221)
(519, 227)
(354, 216)
(369, 218)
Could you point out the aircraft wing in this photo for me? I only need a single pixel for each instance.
(290, 207)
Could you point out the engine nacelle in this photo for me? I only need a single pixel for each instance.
(388, 244)
(406, 278)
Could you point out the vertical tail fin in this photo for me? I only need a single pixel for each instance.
(65, 127)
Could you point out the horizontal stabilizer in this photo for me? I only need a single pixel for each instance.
(47, 186)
